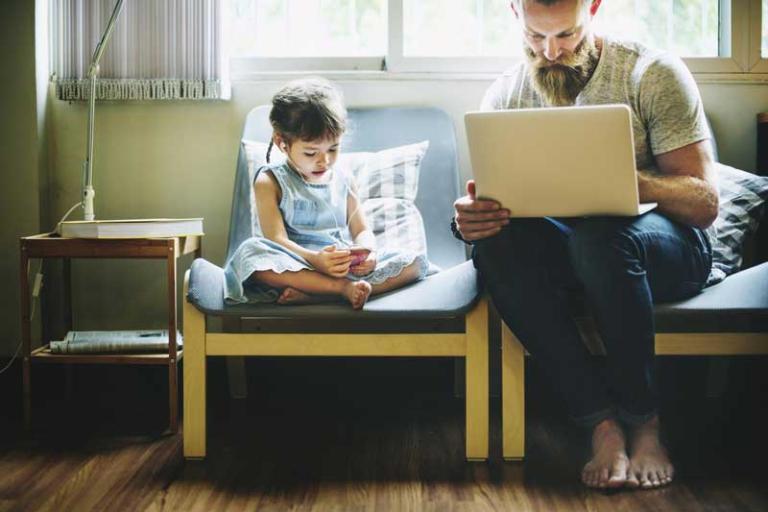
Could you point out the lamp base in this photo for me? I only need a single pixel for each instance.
(88, 195)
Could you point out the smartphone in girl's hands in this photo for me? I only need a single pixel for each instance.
(359, 254)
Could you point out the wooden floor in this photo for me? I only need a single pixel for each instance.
(350, 435)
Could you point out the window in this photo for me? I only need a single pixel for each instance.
(309, 28)
(468, 28)
(475, 35)
(689, 28)
(764, 45)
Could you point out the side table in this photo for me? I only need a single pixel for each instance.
(50, 246)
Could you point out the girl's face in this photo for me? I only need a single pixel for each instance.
(312, 159)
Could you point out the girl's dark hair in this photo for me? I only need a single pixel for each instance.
(308, 109)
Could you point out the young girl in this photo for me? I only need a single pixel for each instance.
(309, 216)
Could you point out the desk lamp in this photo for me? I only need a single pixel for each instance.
(93, 71)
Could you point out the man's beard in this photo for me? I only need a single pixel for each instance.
(559, 83)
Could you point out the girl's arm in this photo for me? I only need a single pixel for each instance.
(361, 235)
(329, 261)
(358, 228)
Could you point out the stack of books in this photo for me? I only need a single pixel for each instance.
(131, 228)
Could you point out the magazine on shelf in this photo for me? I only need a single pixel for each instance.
(130, 228)
(90, 342)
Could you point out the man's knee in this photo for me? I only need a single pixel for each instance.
(600, 247)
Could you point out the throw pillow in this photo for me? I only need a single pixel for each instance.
(387, 184)
(742, 195)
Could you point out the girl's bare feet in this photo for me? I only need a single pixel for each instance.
(357, 293)
(294, 296)
(609, 464)
(649, 465)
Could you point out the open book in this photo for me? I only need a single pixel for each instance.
(131, 228)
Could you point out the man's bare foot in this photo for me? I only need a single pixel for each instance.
(294, 296)
(649, 464)
(357, 293)
(609, 464)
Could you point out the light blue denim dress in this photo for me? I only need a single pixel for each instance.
(315, 216)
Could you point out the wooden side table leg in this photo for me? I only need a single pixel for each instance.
(173, 380)
(68, 322)
(26, 335)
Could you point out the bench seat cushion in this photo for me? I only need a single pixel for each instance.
(447, 294)
(738, 304)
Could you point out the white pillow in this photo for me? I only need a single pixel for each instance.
(387, 184)
(390, 172)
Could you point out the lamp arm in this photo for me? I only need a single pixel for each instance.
(93, 70)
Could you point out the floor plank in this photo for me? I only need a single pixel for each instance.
(360, 435)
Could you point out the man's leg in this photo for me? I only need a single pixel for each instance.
(526, 269)
(625, 265)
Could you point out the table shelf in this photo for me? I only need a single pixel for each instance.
(49, 245)
(44, 355)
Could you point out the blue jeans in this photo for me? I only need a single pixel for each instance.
(623, 266)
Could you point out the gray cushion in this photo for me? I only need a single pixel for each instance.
(450, 293)
(742, 196)
(738, 304)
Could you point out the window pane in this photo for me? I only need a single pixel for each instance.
(460, 28)
(488, 27)
(688, 28)
(765, 29)
(308, 28)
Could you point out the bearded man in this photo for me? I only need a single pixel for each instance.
(622, 264)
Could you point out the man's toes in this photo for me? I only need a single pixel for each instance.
(646, 481)
(664, 477)
(618, 478)
(633, 479)
(588, 476)
(604, 475)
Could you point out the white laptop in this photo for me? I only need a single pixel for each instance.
(556, 162)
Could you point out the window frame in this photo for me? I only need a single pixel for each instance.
(757, 62)
(740, 45)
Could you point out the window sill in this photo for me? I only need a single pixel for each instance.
(424, 76)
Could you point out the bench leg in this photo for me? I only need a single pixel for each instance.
(237, 378)
(477, 383)
(512, 395)
(194, 379)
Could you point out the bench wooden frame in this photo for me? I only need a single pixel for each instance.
(472, 345)
(667, 344)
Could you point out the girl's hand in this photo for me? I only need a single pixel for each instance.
(366, 266)
(332, 262)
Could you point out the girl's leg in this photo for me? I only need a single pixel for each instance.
(315, 283)
(408, 275)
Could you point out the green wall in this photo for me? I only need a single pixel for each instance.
(22, 155)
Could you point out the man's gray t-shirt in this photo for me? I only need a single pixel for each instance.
(667, 112)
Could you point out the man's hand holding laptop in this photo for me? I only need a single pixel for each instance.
(478, 219)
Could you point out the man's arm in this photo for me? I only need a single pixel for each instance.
(685, 186)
